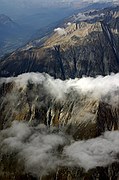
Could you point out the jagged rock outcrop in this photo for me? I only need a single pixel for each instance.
(88, 47)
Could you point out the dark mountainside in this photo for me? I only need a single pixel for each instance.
(62, 139)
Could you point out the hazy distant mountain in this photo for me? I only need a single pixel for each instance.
(12, 35)
(17, 7)
(5, 20)
(7, 26)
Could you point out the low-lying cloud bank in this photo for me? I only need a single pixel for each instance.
(103, 88)
(43, 150)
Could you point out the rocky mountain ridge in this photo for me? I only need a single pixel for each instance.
(88, 46)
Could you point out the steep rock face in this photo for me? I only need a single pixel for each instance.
(88, 47)
(111, 172)
(81, 115)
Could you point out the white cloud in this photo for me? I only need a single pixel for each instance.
(60, 31)
(97, 152)
(69, 24)
(104, 88)
(38, 148)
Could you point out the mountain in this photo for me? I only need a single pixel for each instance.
(16, 33)
(31, 17)
(62, 135)
(18, 8)
(12, 35)
(59, 102)
(7, 26)
(88, 45)
(5, 20)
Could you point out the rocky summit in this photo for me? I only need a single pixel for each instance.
(59, 102)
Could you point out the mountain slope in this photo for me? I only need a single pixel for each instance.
(88, 46)
(52, 117)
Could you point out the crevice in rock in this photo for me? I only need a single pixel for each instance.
(59, 59)
(110, 39)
